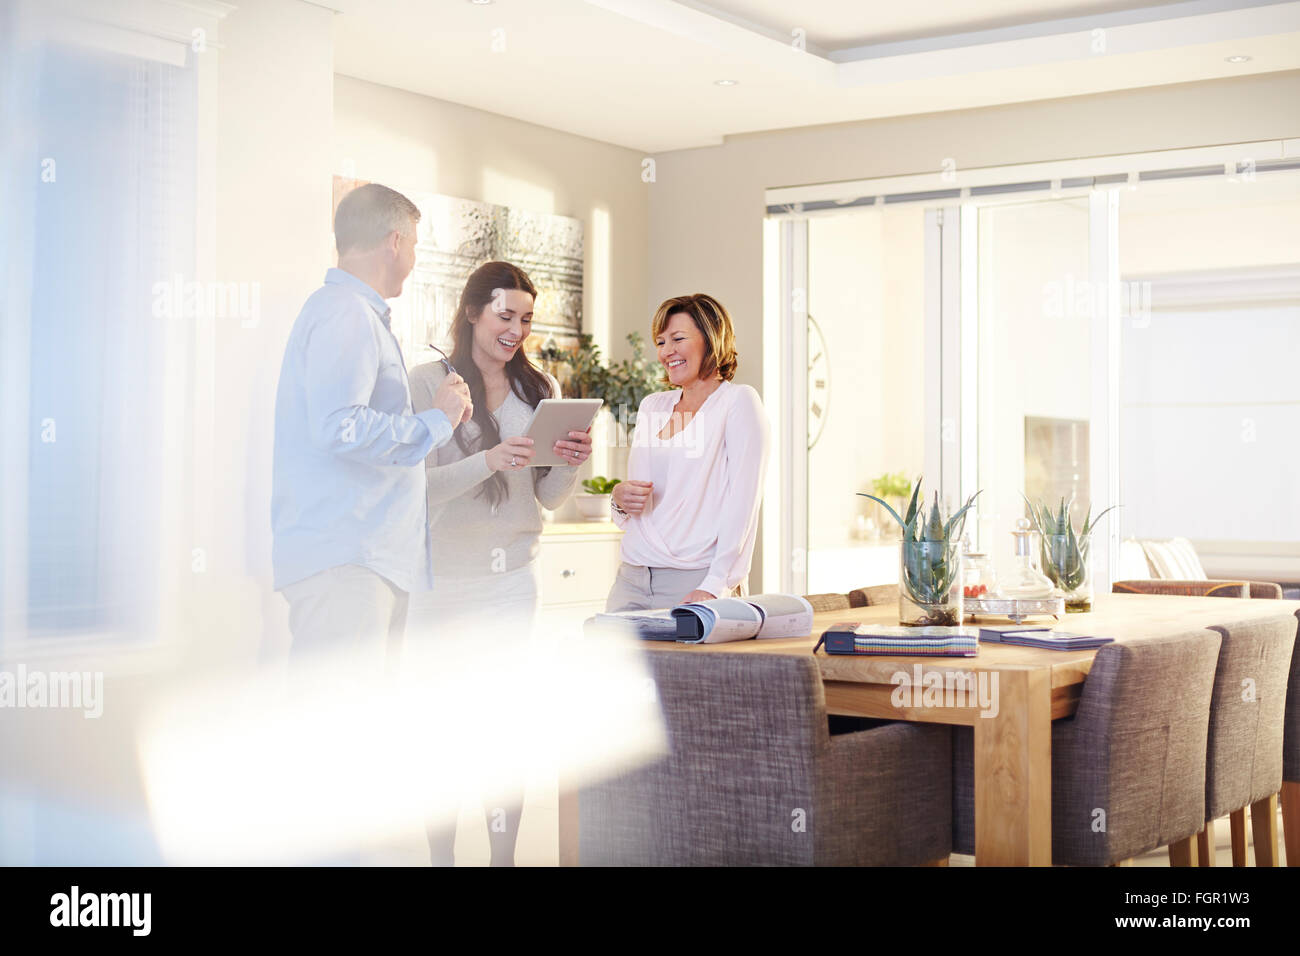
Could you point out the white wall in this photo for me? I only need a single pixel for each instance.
(273, 196)
(420, 143)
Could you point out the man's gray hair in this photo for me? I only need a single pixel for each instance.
(368, 214)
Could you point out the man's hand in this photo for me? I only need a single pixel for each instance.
(698, 595)
(452, 399)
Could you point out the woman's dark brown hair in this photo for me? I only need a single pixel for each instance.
(526, 379)
(709, 316)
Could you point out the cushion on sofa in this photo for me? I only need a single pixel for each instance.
(1175, 560)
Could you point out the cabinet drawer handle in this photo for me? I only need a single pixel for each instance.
(568, 573)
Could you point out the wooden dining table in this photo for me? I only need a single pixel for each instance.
(1012, 729)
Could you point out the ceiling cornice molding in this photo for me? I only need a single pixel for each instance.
(963, 59)
(1045, 28)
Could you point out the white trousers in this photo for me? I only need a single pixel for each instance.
(498, 605)
(346, 611)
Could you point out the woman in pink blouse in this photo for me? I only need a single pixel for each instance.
(689, 506)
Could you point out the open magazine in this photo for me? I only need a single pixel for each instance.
(722, 619)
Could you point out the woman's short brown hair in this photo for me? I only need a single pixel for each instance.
(711, 318)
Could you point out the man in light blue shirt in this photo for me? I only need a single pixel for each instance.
(348, 506)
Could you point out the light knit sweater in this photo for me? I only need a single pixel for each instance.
(470, 537)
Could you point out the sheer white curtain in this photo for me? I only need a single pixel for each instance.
(100, 157)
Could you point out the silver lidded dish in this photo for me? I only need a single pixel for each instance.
(1015, 608)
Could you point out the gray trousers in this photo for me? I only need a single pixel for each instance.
(639, 588)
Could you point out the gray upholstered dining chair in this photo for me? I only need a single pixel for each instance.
(874, 595)
(1243, 765)
(754, 778)
(1128, 769)
(1200, 588)
(1236, 589)
(1291, 761)
(828, 602)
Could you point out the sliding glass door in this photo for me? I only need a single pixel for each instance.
(1116, 338)
(1035, 304)
(856, 323)
(955, 342)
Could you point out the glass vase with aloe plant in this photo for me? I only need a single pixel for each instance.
(1066, 554)
(929, 563)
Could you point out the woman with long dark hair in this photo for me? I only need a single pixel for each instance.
(484, 498)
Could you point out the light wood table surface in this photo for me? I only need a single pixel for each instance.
(1013, 747)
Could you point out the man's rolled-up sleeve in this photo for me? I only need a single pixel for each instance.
(341, 365)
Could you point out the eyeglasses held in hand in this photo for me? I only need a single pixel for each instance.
(445, 360)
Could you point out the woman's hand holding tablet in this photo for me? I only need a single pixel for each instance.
(511, 455)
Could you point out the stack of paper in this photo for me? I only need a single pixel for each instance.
(993, 633)
(1054, 640)
(650, 625)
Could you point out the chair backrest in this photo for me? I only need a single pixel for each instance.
(1247, 715)
(1134, 749)
(1190, 588)
(874, 595)
(745, 734)
(828, 602)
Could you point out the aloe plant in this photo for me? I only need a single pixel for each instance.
(1064, 551)
(599, 485)
(930, 563)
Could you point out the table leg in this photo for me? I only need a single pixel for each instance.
(1013, 774)
(568, 825)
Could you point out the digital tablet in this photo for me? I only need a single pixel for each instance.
(552, 421)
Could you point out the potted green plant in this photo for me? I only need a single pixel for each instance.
(894, 488)
(593, 500)
(929, 564)
(620, 385)
(1066, 555)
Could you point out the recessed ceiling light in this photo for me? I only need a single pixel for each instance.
(480, 3)
(1239, 58)
(724, 82)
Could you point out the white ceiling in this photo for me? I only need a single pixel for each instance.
(641, 73)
